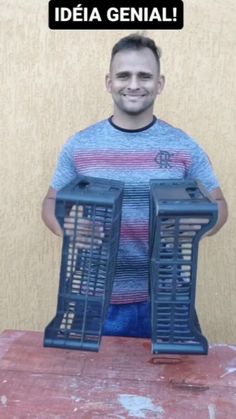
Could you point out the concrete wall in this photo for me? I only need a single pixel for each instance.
(52, 84)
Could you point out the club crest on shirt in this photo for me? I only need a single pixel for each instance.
(163, 159)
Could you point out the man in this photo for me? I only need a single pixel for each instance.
(133, 146)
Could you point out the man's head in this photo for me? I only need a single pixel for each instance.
(136, 42)
(134, 80)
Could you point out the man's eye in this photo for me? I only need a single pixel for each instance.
(146, 76)
(122, 76)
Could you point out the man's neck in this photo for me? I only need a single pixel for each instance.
(132, 122)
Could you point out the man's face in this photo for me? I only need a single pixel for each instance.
(134, 81)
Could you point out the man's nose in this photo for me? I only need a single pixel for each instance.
(133, 83)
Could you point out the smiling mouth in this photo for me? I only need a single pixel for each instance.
(130, 95)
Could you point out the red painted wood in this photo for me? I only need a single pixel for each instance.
(123, 380)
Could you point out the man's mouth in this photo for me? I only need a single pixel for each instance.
(132, 95)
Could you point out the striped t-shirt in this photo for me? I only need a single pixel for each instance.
(157, 151)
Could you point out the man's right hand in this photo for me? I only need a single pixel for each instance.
(84, 233)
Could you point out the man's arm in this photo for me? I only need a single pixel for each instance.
(218, 197)
(48, 212)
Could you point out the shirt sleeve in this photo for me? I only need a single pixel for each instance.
(65, 170)
(202, 170)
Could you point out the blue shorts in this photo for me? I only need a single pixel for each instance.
(128, 320)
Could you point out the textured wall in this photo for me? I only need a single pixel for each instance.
(52, 84)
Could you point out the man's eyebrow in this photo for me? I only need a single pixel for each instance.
(121, 73)
(140, 73)
(145, 73)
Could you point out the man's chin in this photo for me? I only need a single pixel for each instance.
(134, 111)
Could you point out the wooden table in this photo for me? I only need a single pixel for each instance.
(123, 380)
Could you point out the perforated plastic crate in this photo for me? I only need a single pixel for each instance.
(180, 214)
(86, 209)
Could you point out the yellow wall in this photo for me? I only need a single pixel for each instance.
(52, 84)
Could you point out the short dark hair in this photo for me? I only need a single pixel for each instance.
(137, 42)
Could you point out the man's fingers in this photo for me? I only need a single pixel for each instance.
(83, 227)
(92, 245)
(84, 233)
(83, 242)
(85, 236)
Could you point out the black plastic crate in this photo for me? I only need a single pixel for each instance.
(181, 212)
(88, 268)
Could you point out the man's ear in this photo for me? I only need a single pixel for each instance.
(108, 82)
(161, 84)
